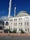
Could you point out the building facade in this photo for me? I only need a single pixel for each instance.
(18, 23)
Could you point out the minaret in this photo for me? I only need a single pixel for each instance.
(14, 11)
(9, 8)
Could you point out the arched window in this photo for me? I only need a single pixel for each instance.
(28, 29)
(19, 29)
(25, 29)
(6, 23)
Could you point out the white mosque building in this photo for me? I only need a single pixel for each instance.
(19, 22)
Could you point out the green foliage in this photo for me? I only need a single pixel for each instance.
(10, 31)
(22, 31)
(14, 31)
(6, 31)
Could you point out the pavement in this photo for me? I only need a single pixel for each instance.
(14, 34)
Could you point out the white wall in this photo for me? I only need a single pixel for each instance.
(22, 20)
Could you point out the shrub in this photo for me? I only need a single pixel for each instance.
(14, 31)
(10, 31)
(22, 31)
(6, 31)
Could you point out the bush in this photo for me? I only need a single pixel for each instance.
(22, 31)
(6, 31)
(10, 31)
(14, 31)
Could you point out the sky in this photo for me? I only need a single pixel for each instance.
(21, 5)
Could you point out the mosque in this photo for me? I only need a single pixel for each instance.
(19, 22)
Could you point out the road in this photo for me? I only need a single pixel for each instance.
(14, 38)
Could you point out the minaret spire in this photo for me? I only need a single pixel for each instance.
(9, 8)
(14, 11)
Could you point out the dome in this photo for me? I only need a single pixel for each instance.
(22, 13)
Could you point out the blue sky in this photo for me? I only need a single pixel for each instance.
(20, 4)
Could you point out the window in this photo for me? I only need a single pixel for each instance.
(11, 23)
(26, 18)
(10, 28)
(1, 22)
(11, 20)
(25, 29)
(15, 19)
(20, 18)
(19, 29)
(27, 23)
(20, 24)
(28, 29)
(1, 27)
(15, 24)
(15, 29)
(6, 23)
